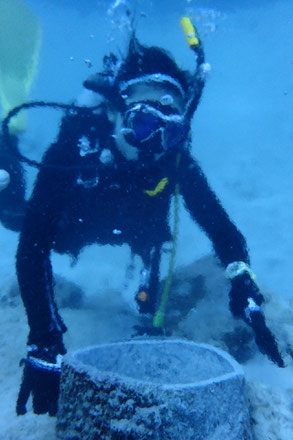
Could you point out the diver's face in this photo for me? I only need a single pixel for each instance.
(153, 113)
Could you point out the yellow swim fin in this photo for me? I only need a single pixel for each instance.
(20, 37)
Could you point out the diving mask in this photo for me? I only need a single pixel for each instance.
(142, 122)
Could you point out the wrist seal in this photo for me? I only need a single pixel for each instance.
(237, 268)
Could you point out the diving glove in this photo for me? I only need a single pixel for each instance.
(245, 303)
(41, 378)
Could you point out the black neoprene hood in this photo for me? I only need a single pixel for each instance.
(141, 61)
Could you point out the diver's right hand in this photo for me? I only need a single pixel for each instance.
(41, 378)
(245, 303)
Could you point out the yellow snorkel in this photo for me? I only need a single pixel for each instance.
(189, 32)
(195, 45)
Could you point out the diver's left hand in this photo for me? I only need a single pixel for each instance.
(245, 302)
(41, 378)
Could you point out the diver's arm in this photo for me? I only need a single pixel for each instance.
(206, 209)
(42, 366)
(49, 202)
(231, 248)
(56, 180)
(33, 260)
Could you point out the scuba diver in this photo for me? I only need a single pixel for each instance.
(109, 178)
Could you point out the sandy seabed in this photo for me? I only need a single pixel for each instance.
(110, 317)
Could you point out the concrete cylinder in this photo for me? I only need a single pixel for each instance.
(152, 389)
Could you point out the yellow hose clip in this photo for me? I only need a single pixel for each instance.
(159, 188)
(189, 32)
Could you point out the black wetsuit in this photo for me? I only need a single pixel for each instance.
(78, 200)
